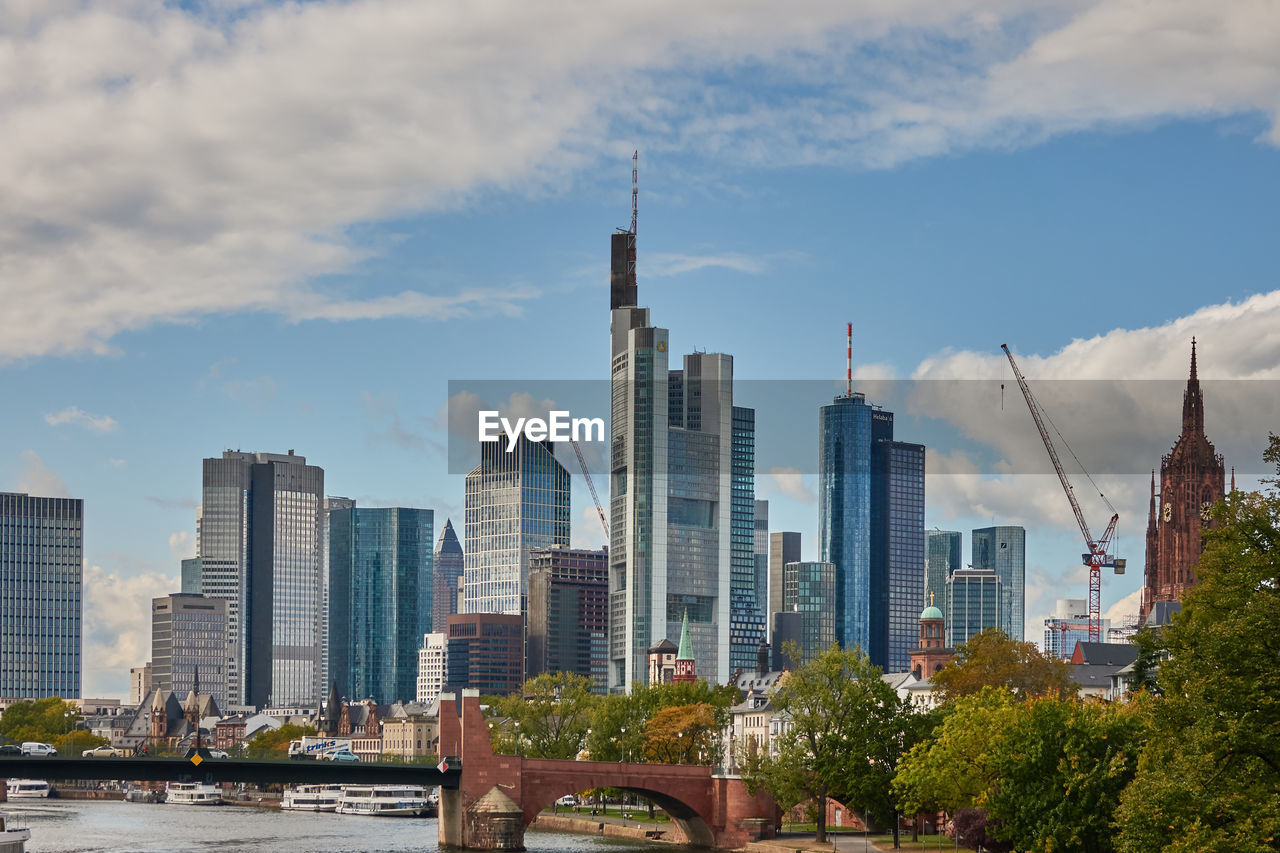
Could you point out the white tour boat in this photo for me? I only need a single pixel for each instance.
(13, 839)
(193, 794)
(28, 789)
(385, 801)
(311, 798)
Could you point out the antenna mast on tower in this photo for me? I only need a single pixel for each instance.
(848, 370)
(635, 187)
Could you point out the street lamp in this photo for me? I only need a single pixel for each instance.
(624, 744)
(517, 738)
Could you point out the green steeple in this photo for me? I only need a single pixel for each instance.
(686, 643)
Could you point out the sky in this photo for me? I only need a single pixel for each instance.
(291, 226)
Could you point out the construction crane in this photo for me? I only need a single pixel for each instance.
(582, 461)
(1097, 558)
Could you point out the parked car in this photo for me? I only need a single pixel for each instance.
(104, 751)
(341, 755)
(568, 800)
(38, 749)
(10, 749)
(217, 753)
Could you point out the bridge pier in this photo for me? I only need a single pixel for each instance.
(500, 795)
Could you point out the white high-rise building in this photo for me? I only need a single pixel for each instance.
(432, 667)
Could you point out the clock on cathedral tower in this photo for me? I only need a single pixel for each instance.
(1192, 480)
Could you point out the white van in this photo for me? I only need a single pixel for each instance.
(32, 747)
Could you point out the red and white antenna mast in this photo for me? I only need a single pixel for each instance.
(635, 187)
(848, 370)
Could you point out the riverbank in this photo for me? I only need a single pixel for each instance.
(609, 827)
(86, 794)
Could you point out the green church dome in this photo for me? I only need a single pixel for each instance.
(930, 612)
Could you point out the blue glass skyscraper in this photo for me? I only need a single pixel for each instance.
(380, 591)
(41, 572)
(871, 527)
(844, 512)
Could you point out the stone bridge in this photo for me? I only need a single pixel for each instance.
(498, 796)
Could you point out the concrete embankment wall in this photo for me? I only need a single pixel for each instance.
(586, 826)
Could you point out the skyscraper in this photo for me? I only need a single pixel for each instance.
(871, 526)
(974, 601)
(191, 572)
(568, 622)
(485, 652)
(1003, 550)
(41, 572)
(809, 589)
(379, 599)
(676, 444)
(189, 635)
(515, 502)
(942, 550)
(747, 626)
(448, 566)
(330, 505)
(784, 547)
(1192, 480)
(431, 667)
(762, 556)
(260, 549)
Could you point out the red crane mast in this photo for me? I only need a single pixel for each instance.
(1097, 558)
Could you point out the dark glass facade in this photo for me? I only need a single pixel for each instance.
(746, 619)
(973, 604)
(568, 624)
(1003, 550)
(809, 590)
(897, 552)
(41, 573)
(485, 652)
(448, 568)
(380, 591)
(942, 555)
(844, 512)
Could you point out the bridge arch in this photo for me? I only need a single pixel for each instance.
(695, 825)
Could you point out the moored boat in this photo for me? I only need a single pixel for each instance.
(385, 801)
(311, 798)
(193, 794)
(13, 839)
(28, 789)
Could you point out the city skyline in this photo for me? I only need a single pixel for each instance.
(1094, 231)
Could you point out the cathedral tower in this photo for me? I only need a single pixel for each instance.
(1192, 480)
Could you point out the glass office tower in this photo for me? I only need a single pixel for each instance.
(762, 556)
(41, 572)
(746, 617)
(941, 557)
(809, 589)
(568, 621)
(844, 512)
(380, 596)
(514, 502)
(448, 566)
(189, 636)
(260, 548)
(897, 551)
(973, 604)
(1003, 550)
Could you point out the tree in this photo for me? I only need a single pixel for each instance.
(991, 659)
(276, 741)
(618, 722)
(843, 732)
(1061, 767)
(681, 734)
(1209, 779)
(553, 713)
(47, 720)
(952, 770)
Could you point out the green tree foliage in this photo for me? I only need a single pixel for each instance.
(681, 734)
(45, 720)
(613, 714)
(553, 712)
(1062, 766)
(846, 731)
(953, 769)
(991, 659)
(275, 742)
(1209, 779)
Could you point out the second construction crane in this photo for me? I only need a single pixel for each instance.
(1097, 558)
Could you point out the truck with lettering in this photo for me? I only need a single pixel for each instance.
(318, 747)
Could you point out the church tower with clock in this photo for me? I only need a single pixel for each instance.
(1192, 480)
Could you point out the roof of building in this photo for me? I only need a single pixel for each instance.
(760, 682)
(1096, 676)
(930, 612)
(686, 641)
(663, 646)
(1106, 654)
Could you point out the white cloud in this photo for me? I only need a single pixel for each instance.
(79, 417)
(587, 532)
(668, 263)
(38, 479)
(790, 482)
(161, 164)
(182, 545)
(117, 626)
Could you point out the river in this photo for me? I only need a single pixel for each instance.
(81, 826)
